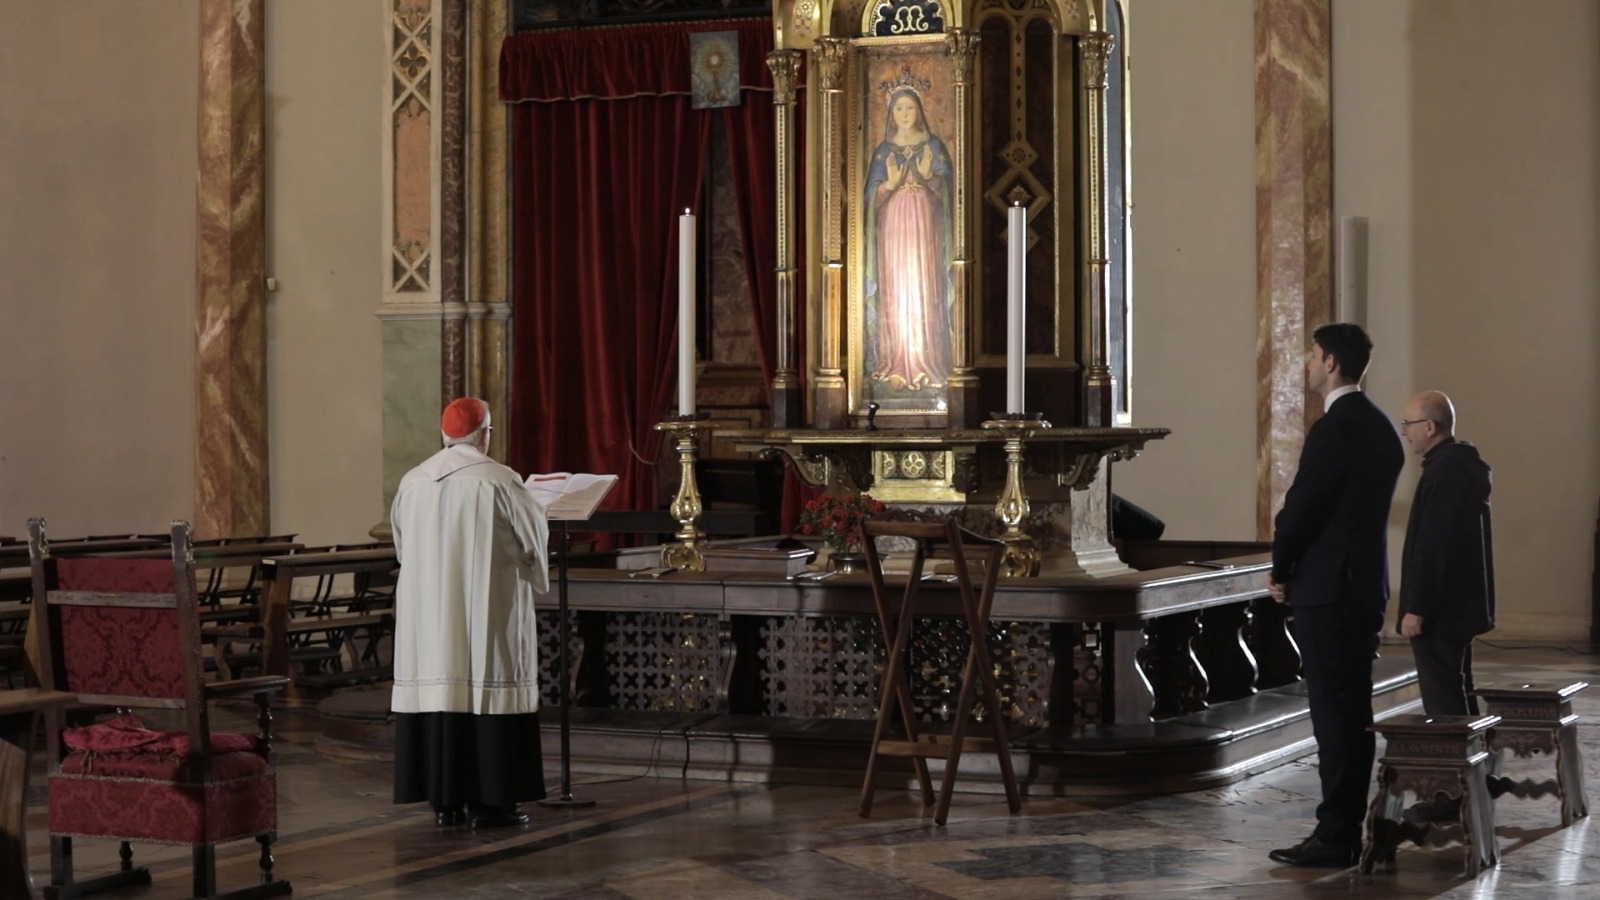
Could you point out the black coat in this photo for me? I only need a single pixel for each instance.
(1330, 541)
(1447, 567)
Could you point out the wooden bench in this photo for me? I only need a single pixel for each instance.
(19, 726)
(15, 556)
(284, 638)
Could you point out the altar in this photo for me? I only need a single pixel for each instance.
(952, 335)
(1174, 678)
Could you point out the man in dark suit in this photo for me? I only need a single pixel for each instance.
(1330, 564)
(1447, 567)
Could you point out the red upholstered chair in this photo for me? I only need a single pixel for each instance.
(125, 634)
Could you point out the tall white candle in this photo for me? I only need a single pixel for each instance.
(1016, 361)
(686, 350)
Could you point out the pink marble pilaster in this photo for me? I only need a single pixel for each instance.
(1294, 210)
(488, 226)
(231, 467)
(453, 199)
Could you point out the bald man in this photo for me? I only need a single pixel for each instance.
(1447, 567)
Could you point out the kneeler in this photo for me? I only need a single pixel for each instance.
(936, 541)
(125, 634)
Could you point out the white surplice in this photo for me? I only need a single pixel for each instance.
(472, 547)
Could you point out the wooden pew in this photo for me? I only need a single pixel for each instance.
(278, 631)
(15, 556)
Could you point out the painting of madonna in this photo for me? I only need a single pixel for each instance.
(908, 290)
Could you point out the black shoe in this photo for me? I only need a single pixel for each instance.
(497, 817)
(450, 818)
(1439, 809)
(1314, 851)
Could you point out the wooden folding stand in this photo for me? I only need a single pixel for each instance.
(937, 540)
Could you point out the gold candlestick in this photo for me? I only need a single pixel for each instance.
(1020, 559)
(686, 506)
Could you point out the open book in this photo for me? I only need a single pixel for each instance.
(567, 496)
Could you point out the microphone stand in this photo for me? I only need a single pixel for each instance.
(564, 683)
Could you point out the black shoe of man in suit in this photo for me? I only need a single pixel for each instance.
(1314, 852)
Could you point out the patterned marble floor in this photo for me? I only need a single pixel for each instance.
(659, 836)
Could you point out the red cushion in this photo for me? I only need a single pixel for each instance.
(126, 733)
(160, 765)
(139, 810)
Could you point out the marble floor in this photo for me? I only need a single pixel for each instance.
(659, 836)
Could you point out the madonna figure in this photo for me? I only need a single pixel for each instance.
(908, 255)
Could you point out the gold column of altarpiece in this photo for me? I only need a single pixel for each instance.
(1036, 104)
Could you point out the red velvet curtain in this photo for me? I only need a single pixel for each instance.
(606, 153)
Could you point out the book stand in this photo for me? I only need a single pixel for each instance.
(937, 540)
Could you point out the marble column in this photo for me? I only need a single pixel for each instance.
(488, 219)
(231, 467)
(452, 72)
(1294, 212)
(415, 373)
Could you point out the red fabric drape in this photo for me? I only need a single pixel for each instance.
(606, 153)
(750, 129)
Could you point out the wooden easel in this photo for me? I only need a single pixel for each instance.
(937, 540)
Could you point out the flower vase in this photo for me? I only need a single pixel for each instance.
(848, 562)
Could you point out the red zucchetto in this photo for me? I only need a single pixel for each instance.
(463, 416)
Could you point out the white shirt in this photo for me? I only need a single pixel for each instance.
(472, 547)
(1336, 393)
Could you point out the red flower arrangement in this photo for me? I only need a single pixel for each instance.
(837, 518)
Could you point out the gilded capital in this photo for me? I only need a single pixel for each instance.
(828, 54)
(961, 44)
(1096, 47)
(785, 66)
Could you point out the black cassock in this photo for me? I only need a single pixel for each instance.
(461, 759)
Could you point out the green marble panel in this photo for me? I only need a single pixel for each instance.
(411, 402)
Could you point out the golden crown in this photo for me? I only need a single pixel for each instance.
(905, 79)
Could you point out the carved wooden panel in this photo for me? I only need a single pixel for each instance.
(821, 667)
(665, 661)
(549, 624)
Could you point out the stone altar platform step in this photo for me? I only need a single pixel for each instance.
(1200, 750)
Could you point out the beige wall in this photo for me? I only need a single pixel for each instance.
(1191, 85)
(97, 210)
(1468, 133)
(325, 95)
(1505, 289)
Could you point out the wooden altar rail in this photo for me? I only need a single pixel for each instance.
(1171, 641)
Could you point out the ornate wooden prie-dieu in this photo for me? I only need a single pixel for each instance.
(1436, 758)
(1537, 719)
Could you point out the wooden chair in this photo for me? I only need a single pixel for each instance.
(125, 633)
(949, 541)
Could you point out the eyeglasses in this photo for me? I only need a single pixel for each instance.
(1404, 423)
